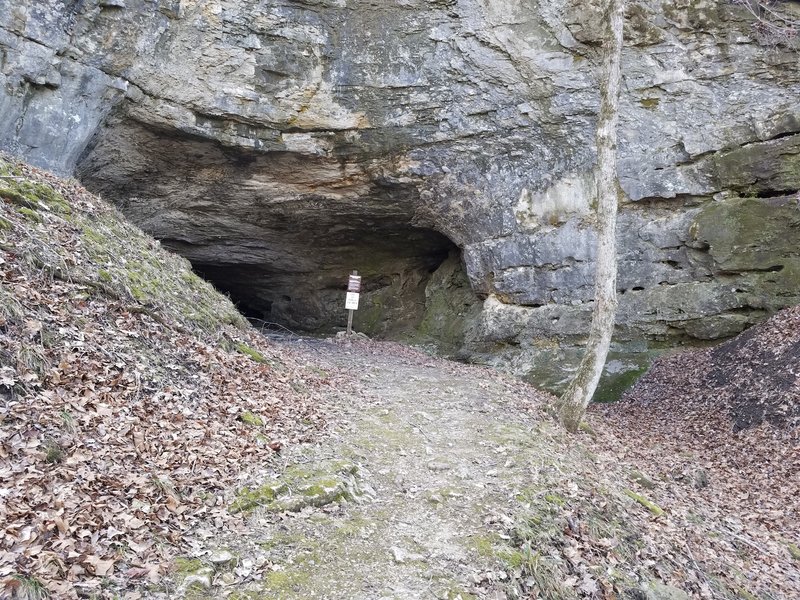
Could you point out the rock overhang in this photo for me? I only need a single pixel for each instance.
(279, 231)
(429, 119)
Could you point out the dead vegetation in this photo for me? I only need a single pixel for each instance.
(719, 432)
(123, 381)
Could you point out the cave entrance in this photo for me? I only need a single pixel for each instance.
(280, 231)
(396, 262)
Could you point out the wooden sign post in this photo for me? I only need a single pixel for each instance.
(351, 301)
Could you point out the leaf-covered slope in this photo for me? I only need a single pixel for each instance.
(721, 426)
(132, 394)
(750, 379)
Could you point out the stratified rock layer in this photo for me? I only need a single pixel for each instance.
(281, 144)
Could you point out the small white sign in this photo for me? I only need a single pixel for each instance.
(351, 303)
(354, 283)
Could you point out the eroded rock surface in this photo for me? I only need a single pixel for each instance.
(281, 144)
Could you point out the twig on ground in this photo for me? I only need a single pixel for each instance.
(694, 562)
(418, 428)
(754, 546)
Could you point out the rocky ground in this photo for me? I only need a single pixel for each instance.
(417, 480)
(450, 480)
(154, 447)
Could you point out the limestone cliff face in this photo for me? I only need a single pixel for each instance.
(280, 143)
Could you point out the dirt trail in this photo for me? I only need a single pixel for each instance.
(442, 480)
(440, 449)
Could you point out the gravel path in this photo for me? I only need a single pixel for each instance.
(442, 480)
(436, 477)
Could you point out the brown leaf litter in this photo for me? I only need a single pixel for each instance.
(134, 401)
(719, 430)
(123, 421)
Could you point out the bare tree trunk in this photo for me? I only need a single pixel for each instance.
(572, 404)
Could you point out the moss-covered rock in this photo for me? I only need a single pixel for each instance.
(193, 576)
(248, 499)
(751, 234)
(550, 365)
(299, 487)
(650, 103)
(450, 305)
(183, 565)
(642, 479)
(772, 165)
(648, 504)
(252, 353)
(621, 371)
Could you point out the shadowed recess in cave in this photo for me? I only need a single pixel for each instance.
(395, 263)
(279, 231)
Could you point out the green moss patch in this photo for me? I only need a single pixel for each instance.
(299, 487)
(152, 277)
(32, 195)
(251, 419)
(794, 551)
(648, 504)
(248, 499)
(115, 257)
(252, 353)
(615, 385)
(649, 103)
(187, 566)
(352, 528)
(484, 544)
(30, 214)
(284, 581)
(554, 499)
(15, 197)
(450, 303)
